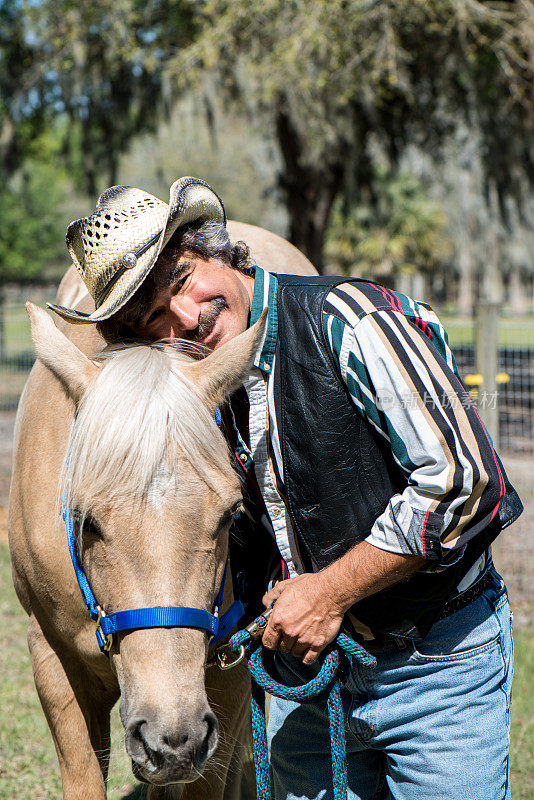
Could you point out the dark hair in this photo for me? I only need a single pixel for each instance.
(205, 239)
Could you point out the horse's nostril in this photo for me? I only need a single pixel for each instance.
(136, 730)
(179, 750)
(211, 724)
(212, 732)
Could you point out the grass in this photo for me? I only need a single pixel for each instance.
(512, 332)
(522, 749)
(28, 765)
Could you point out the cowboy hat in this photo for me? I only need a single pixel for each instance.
(116, 247)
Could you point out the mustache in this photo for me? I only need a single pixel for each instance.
(208, 319)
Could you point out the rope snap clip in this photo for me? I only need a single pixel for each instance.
(255, 631)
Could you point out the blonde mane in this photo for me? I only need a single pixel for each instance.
(139, 415)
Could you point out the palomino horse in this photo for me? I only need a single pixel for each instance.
(152, 492)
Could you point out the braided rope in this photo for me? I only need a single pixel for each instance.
(328, 679)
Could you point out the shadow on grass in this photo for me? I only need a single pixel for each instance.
(139, 793)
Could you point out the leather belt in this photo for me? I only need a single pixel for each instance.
(462, 600)
(456, 604)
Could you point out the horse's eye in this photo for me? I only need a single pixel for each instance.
(86, 525)
(91, 527)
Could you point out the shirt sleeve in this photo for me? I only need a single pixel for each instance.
(402, 378)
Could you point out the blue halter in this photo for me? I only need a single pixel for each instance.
(157, 617)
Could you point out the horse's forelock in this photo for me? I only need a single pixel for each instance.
(137, 418)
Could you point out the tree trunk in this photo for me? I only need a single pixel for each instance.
(3, 349)
(310, 191)
(465, 300)
(518, 296)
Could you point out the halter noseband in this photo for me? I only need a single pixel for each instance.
(156, 617)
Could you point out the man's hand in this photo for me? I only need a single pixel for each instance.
(309, 609)
(305, 617)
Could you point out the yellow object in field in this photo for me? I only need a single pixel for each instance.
(477, 379)
(473, 380)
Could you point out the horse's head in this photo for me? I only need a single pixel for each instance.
(149, 483)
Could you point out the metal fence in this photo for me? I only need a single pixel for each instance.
(514, 396)
(16, 349)
(515, 370)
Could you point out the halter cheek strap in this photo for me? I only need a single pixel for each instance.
(156, 617)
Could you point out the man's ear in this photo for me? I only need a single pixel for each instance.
(224, 370)
(60, 355)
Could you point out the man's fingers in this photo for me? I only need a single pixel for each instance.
(311, 655)
(287, 643)
(273, 595)
(271, 637)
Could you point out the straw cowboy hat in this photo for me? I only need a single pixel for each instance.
(116, 247)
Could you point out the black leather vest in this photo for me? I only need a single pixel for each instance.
(339, 474)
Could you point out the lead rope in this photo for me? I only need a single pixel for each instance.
(329, 677)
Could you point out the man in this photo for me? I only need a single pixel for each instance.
(378, 483)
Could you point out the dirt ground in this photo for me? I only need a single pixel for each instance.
(513, 551)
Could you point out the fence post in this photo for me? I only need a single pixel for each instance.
(487, 343)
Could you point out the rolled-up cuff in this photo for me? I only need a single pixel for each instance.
(408, 531)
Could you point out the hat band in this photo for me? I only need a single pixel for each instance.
(128, 261)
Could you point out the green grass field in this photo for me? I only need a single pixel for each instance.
(513, 331)
(28, 766)
(517, 332)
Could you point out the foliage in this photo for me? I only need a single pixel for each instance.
(401, 230)
(31, 234)
(21, 112)
(100, 65)
(334, 81)
(338, 79)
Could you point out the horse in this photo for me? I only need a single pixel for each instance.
(128, 436)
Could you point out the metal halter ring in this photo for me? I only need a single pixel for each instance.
(224, 655)
(254, 630)
(107, 638)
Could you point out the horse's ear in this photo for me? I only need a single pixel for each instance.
(224, 370)
(60, 355)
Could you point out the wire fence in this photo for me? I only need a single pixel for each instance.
(515, 378)
(16, 349)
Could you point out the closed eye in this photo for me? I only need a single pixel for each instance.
(155, 314)
(176, 280)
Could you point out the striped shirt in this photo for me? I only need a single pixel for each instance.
(394, 357)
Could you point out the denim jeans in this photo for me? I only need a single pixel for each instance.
(431, 722)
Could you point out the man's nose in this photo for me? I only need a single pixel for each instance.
(185, 311)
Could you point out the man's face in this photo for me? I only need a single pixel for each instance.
(205, 301)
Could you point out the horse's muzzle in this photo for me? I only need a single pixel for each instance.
(161, 755)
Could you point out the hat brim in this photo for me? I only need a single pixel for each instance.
(190, 200)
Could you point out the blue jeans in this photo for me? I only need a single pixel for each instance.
(431, 722)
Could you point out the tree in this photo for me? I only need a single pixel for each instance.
(100, 66)
(32, 233)
(336, 79)
(21, 111)
(401, 233)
